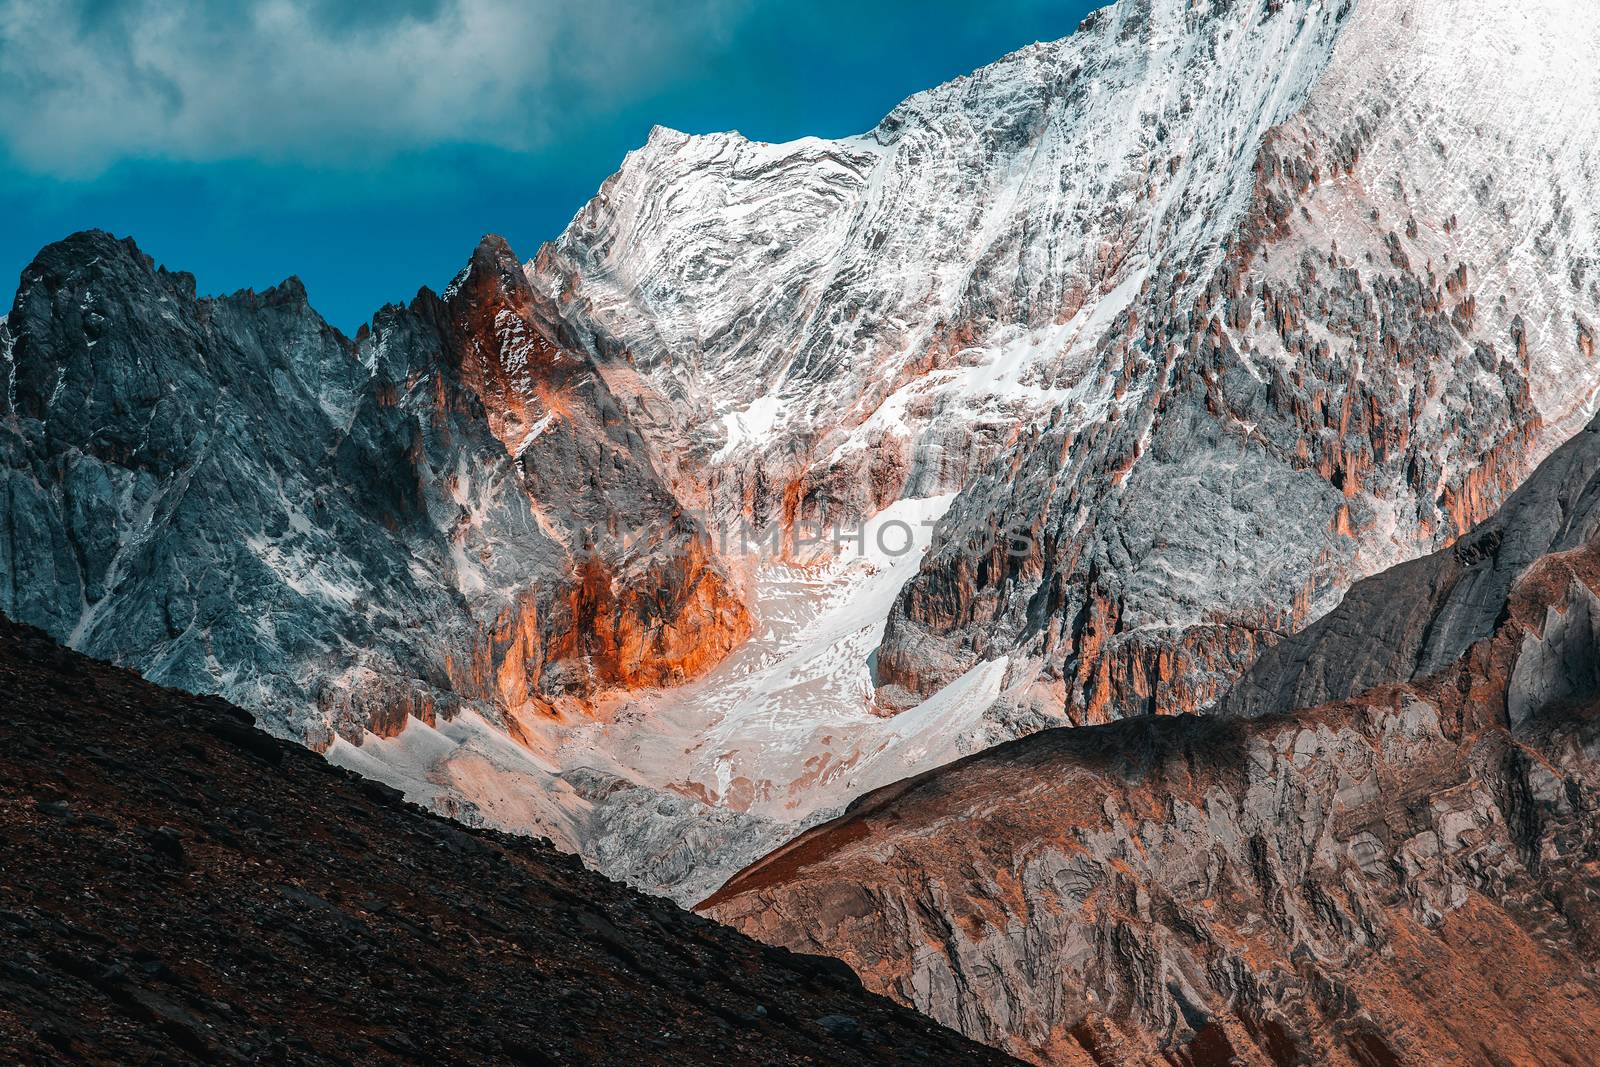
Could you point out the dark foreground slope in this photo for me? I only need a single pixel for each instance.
(176, 886)
(1406, 873)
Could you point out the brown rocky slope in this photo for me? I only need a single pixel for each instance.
(178, 887)
(1404, 875)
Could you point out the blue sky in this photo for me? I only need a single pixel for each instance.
(367, 152)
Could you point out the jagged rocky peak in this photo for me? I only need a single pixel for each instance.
(1217, 307)
(1114, 288)
(80, 314)
(421, 551)
(508, 345)
(234, 497)
(1403, 875)
(504, 349)
(125, 390)
(653, 605)
(893, 315)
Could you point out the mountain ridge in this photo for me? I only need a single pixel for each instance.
(232, 496)
(1398, 875)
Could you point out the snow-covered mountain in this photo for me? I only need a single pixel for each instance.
(1152, 339)
(1223, 304)
(828, 326)
(1401, 325)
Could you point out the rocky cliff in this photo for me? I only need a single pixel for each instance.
(233, 497)
(1402, 875)
(1380, 343)
(1427, 614)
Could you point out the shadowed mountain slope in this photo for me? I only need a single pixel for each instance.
(176, 886)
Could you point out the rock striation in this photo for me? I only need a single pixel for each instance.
(1400, 874)
(1206, 311)
(1354, 367)
(231, 496)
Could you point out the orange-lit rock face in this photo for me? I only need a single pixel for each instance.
(672, 626)
(505, 354)
(365, 541)
(507, 663)
(605, 632)
(646, 602)
(1224, 345)
(1399, 878)
(382, 706)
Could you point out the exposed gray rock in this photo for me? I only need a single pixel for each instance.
(673, 843)
(1347, 379)
(235, 498)
(1212, 308)
(1404, 876)
(1418, 618)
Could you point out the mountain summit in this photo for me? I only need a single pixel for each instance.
(1222, 304)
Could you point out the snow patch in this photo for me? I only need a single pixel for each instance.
(787, 725)
(751, 427)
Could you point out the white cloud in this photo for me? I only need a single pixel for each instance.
(84, 85)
